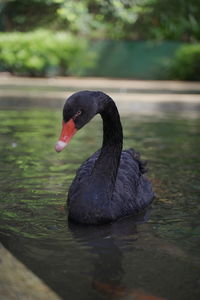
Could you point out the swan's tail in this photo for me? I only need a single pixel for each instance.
(142, 163)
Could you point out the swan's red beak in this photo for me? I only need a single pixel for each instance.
(67, 132)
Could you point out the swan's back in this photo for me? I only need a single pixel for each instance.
(132, 192)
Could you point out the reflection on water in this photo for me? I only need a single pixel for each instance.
(156, 256)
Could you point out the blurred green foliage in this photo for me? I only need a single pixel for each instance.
(23, 15)
(63, 45)
(43, 53)
(186, 63)
(47, 53)
(113, 19)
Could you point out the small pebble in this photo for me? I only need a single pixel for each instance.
(52, 227)
(14, 145)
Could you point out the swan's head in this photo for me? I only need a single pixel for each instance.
(78, 110)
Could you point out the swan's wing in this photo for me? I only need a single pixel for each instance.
(133, 191)
(82, 174)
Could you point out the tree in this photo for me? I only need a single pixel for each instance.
(23, 15)
(113, 19)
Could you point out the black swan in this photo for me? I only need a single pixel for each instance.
(110, 184)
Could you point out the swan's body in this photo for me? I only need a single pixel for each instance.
(110, 184)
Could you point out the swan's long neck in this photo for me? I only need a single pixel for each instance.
(106, 166)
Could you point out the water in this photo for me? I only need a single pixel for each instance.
(156, 254)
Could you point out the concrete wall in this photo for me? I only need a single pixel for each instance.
(17, 282)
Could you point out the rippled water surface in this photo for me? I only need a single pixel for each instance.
(130, 259)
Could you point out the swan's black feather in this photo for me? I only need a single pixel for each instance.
(132, 192)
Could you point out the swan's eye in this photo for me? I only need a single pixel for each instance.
(77, 114)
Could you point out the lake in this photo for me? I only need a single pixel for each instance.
(153, 255)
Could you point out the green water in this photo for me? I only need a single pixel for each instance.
(159, 257)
